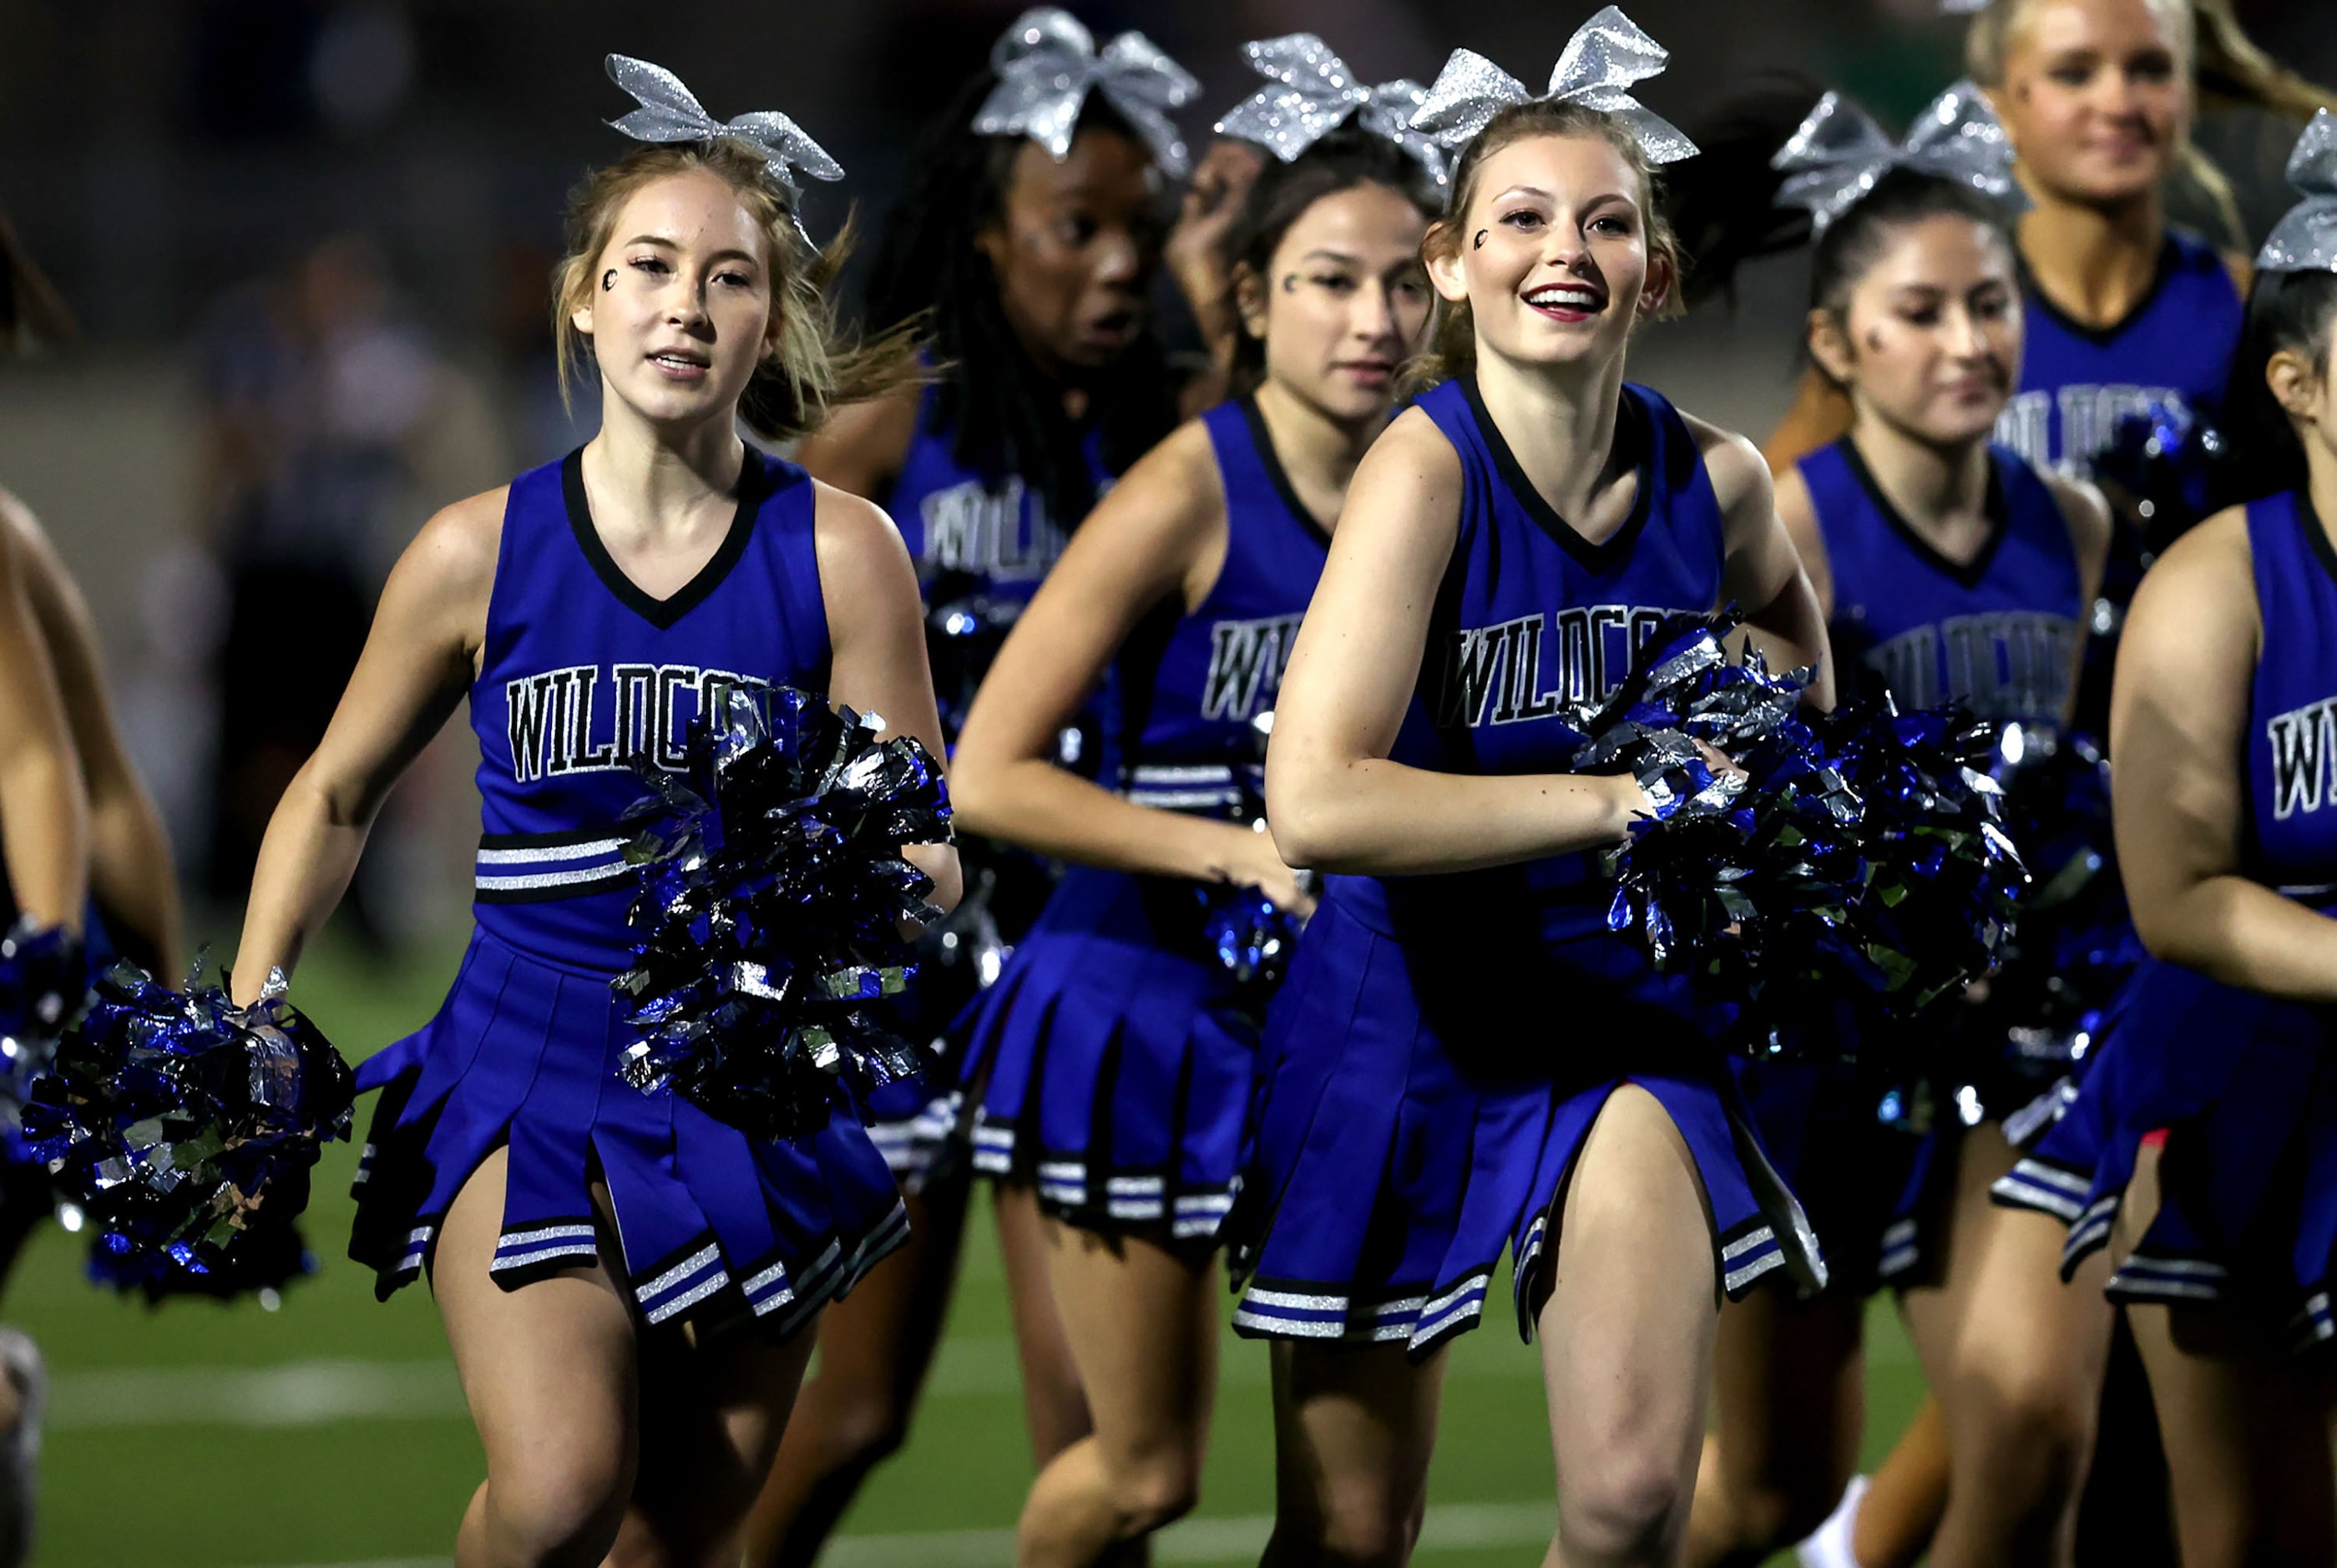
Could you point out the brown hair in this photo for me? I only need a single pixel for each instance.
(1347, 159)
(812, 367)
(31, 312)
(2225, 67)
(1453, 341)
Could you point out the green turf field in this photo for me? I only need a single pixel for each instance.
(332, 1431)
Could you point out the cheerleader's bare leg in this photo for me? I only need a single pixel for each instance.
(712, 1412)
(875, 1348)
(1054, 1409)
(1907, 1496)
(1353, 1428)
(548, 1371)
(2021, 1396)
(1141, 1322)
(1627, 1333)
(569, 1396)
(1789, 1406)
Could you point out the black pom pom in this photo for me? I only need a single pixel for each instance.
(183, 1127)
(772, 900)
(1857, 855)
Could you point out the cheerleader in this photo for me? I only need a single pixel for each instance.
(2120, 309)
(1463, 1057)
(1111, 1068)
(1949, 570)
(1026, 244)
(2123, 310)
(625, 1281)
(45, 838)
(2211, 1117)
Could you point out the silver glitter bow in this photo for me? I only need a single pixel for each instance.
(1963, 7)
(1607, 55)
(1047, 63)
(2305, 240)
(1838, 153)
(1316, 95)
(669, 112)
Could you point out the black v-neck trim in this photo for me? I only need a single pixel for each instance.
(753, 479)
(1630, 424)
(1999, 510)
(2170, 256)
(1263, 439)
(2310, 515)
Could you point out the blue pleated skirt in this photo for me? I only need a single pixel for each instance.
(1866, 1184)
(2243, 1087)
(1111, 1067)
(1422, 1103)
(712, 1226)
(1881, 1194)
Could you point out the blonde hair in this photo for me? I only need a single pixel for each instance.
(812, 367)
(2223, 64)
(1452, 340)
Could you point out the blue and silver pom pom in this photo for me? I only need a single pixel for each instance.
(1856, 853)
(43, 982)
(773, 903)
(182, 1128)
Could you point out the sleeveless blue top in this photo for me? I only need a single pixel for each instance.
(581, 670)
(967, 534)
(1530, 614)
(2000, 634)
(2078, 382)
(2291, 838)
(1192, 686)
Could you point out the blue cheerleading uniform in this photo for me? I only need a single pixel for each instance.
(1111, 1067)
(580, 671)
(969, 532)
(981, 544)
(2000, 635)
(2243, 1085)
(2078, 382)
(1444, 1043)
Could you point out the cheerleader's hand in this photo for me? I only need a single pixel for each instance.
(1722, 764)
(1249, 859)
(1195, 250)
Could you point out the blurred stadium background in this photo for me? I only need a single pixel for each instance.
(309, 242)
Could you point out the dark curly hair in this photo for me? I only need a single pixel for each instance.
(1004, 417)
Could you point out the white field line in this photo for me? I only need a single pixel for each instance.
(318, 1393)
(296, 1394)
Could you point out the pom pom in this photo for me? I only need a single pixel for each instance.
(2076, 945)
(1860, 854)
(963, 633)
(2164, 466)
(265, 1261)
(43, 982)
(1944, 882)
(773, 896)
(183, 1128)
(1252, 937)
